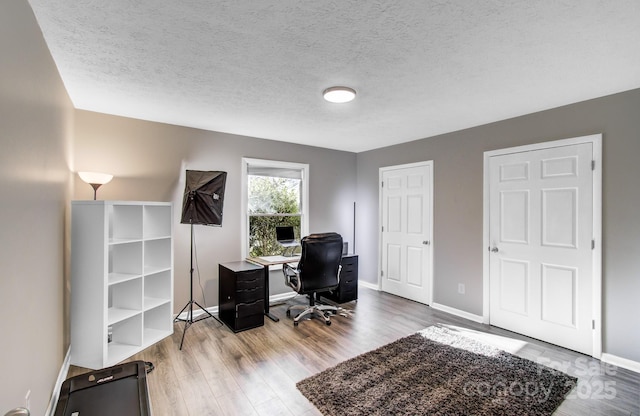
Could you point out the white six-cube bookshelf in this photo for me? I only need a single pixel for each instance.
(121, 279)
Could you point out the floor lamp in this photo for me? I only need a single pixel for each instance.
(202, 204)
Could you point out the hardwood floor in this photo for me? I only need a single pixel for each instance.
(254, 372)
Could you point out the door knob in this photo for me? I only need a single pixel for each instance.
(494, 250)
(426, 242)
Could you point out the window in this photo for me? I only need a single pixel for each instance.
(274, 194)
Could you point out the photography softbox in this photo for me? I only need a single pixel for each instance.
(203, 197)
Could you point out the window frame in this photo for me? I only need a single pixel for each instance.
(304, 195)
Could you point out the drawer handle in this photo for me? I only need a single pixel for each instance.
(248, 304)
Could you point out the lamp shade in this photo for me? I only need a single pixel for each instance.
(95, 177)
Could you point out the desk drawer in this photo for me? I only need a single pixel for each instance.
(350, 283)
(249, 280)
(348, 294)
(348, 276)
(349, 263)
(248, 322)
(250, 295)
(247, 309)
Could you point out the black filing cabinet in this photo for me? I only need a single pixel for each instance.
(348, 288)
(241, 295)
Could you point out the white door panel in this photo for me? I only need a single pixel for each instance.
(406, 252)
(540, 230)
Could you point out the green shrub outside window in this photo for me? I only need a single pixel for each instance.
(272, 202)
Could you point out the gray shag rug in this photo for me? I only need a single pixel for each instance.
(437, 372)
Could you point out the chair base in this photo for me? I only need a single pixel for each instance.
(323, 312)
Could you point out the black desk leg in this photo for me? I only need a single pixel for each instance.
(266, 296)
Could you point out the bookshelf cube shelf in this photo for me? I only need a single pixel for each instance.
(121, 279)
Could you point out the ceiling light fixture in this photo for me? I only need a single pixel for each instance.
(339, 94)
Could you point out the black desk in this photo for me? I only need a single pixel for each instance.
(266, 262)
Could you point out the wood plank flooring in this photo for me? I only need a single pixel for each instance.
(254, 372)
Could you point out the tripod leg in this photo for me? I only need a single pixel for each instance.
(187, 324)
(206, 312)
(180, 313)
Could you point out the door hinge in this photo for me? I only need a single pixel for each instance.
(382, 184)
(381, 272)
(383, 228)
(593, 165)
(593, 324)
(593, 244)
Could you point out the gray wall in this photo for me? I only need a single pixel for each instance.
(148, 160)
(458, 182)
(35, 142)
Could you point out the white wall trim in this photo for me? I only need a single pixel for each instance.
(183, 316)
(457, 312)
(281, 297)
(596, 141)
(621, 362)
(373, 286)
(62, 376)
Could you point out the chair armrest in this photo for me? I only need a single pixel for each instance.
(289, 273)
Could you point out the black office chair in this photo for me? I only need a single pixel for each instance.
(318, 271)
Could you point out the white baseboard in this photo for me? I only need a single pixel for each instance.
(282, 297)
(62, 376)
(443, 308)
(212, 310)
(620, 362)
(458, 312)
(373, 286)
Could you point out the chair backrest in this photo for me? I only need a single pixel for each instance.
(319, 262)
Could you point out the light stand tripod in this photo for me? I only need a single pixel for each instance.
(188, 321)
(202, 204)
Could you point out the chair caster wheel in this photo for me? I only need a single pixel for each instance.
(295, 323)
(288, 313)
(328, 323)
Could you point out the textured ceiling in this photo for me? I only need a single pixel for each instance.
(258, 67)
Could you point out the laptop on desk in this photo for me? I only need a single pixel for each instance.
(285, 237)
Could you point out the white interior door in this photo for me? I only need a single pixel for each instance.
(541, 230)
(406, 231)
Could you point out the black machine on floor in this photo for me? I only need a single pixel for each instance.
(118, 390)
